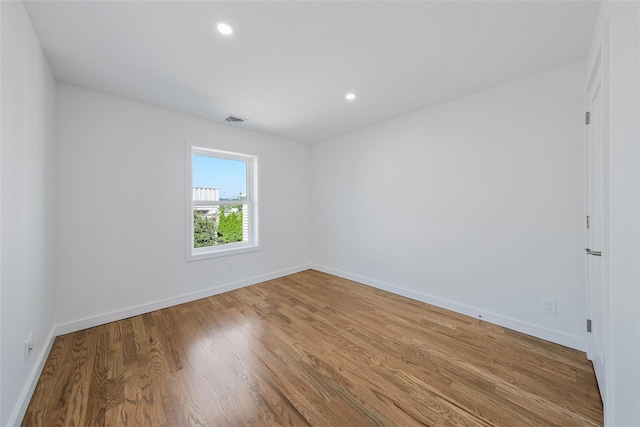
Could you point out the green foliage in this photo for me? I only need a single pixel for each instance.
(229, 227)
(206, 233)
(203, 230)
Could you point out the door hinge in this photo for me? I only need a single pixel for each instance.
(587, 117)
(588, 325)
(588, 222)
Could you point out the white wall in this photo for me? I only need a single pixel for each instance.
(475, 205)
(119, 248)
(28, 91)
(622, 251)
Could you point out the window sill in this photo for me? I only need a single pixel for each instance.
(229, 249)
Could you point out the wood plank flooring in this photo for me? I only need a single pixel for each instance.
(311, 349)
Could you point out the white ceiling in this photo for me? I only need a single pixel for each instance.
(290, 64)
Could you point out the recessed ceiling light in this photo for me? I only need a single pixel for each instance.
(350, 96)
(224, 28)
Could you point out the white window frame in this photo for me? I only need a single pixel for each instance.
(253, 243)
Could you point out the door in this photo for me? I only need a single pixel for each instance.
(597, 217)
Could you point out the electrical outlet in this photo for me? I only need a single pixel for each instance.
(28, 347)
(549, 306)
(229, 266)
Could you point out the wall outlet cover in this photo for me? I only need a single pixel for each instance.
(549, 306)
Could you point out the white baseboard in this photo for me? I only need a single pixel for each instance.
(101, 319)
(571, 341)
(89, 322)
(25, 397)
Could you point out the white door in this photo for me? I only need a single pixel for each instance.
(597, 230)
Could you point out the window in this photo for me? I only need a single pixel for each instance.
(222, 209)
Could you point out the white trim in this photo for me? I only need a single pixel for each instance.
(566, 340)
(222, 250)
(89, 322)
(251, 191)
(204, 151)
(26, 394)
(101, 319)
(0, 219)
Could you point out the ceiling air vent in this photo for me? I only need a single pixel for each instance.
(234, 119)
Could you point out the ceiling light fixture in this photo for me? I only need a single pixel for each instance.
(224, 28)
(350, 96)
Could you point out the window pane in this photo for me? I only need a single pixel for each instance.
(229, 224)
(214, 180)
(228, 176)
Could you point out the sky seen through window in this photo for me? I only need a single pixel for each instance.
(230, 176)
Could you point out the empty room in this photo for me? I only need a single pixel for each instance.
(326, 213)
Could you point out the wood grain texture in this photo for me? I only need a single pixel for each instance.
(311, 349)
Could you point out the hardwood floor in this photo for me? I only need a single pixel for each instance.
(311, 349)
